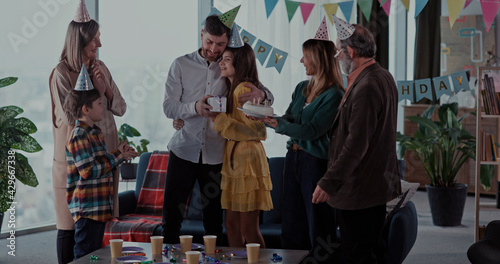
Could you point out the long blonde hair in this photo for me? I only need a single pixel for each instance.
(326, 65)
(78, 36)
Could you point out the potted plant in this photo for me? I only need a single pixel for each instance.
(442, 147)
(14, 135)
(128, 169)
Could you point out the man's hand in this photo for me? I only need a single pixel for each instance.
(320, 196)
(255, 93)
(203, 108)
(178, 124)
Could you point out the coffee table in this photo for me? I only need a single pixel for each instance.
(265, 255)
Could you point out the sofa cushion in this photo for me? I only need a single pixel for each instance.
(150, 200)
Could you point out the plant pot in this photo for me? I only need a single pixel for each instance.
(447, 204)
(128, 171)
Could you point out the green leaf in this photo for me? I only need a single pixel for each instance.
(7, 81)
(7, 113)
(16, 139)
(24, 172)
(22, 124)
(5, 196)
(486, 175)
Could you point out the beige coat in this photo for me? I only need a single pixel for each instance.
(61, 81)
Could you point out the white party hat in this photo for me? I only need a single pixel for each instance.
(322, 33)
(83, 83)
(344, 29)
(82, 14)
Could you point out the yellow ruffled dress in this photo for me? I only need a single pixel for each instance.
(246, 181)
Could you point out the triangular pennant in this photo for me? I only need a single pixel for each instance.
(490, 8)
(419, 6)
(270, 5)
(366, 8)
(467, 3)
(322, 32)
(247, 37)
(82, 14)
(344, 29)
(228, 17)
(405, 90)
(277, 59)
(214, 11)
(346, 8)
(460, 81)
(262, 50)
(406, 3)
(291, 8)
(306, 9)
(386, 5)
(423, 89)
(83, 83)
(235, 40)
(454, 8)
(442, 86)
(331, 9)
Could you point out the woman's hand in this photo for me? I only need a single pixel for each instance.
(256, 93)
(97, 78)
(178, 124)
(270, 122)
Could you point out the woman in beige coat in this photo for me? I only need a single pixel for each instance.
(80, 47)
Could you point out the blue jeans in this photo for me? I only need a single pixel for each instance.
(305, 225)
(88, 236)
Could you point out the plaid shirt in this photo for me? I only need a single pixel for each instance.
(89, 188)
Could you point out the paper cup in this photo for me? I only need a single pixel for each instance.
(186, 243)
(156, 244)
(192, 257)
(253, 252)
(209, 242)
(116, 247)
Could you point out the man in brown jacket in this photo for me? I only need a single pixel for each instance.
(362, 170)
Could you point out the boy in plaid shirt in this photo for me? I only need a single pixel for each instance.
(90, 170)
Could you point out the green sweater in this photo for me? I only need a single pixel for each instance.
(308, 127)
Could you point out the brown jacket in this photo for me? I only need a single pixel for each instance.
(362, 164)
(61, 81)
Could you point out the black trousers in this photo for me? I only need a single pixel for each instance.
(181, 177)
(65, 246)
(361, 234)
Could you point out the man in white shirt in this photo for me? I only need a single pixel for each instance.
(196, 150)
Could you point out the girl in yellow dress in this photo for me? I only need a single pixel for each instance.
(246, 182)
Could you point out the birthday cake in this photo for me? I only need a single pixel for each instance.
(218, 103)
(257, 108)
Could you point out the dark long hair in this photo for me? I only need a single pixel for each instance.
(78, 36)
(327, 66)
(245, 70)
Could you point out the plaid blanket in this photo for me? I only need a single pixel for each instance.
(138, 227)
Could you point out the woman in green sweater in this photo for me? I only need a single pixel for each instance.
(307, 121)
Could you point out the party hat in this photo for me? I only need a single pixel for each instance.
(228, 17)
(322, 33)
(83, 83)
(235, 41)
(82, 14)
(344, 29)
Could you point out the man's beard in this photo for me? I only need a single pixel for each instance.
(347, 64)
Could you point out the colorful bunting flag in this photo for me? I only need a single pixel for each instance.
(490, 8)
(419, 6)
(467, 3)
(331, 9)
(386, 5)
(454, 8)
(407, 4)
(346, 8)
(405, 90)
(277, 59)
(291, 8)
(442, 86)
(423, 89)
(306, 9)
(270, 5)
(366, 8)
(460, 81)
(247, 37)
(262, 49)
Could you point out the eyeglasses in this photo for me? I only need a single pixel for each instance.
(338, 53)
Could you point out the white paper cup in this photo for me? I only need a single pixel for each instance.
(192, 257)
(156, 244)
(253, 252)
(116, 247)
(186, 243)
(209, 242)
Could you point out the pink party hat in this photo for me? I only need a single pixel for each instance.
(322, 33)
(235, 40)
(82, 14)
(344, 29)
(228, 17)
(83, 83)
